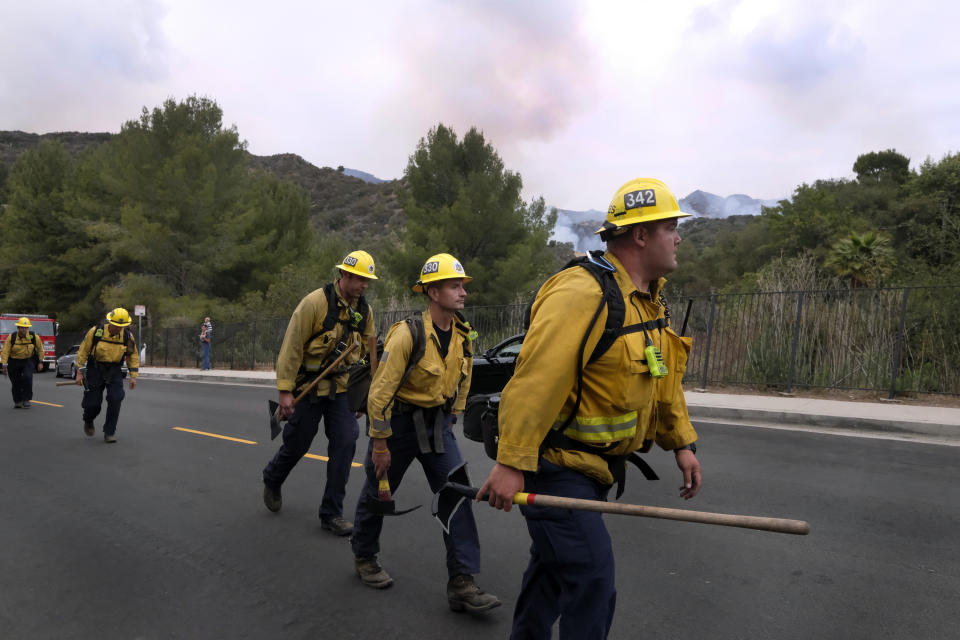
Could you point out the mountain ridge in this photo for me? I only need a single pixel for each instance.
(359, 205)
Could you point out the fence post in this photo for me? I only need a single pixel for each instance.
(796, 340)
(896, 351)
(166, 345)
(253, 346)
(706, 355)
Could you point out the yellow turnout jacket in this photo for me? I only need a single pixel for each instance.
(110, 349)
(306, 321)
(21, 348)
(621, 402)
(433, 381)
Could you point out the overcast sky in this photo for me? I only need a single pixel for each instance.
(733, 96)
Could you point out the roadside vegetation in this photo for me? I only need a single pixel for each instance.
(175, 214)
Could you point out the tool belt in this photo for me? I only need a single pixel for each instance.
(423, 416)
(616, 463)
(107, 369)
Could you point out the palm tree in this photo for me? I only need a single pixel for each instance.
(865, 258)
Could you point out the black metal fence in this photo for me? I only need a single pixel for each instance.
(892, 340)
(889, 340)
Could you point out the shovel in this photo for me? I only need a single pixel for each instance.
(452, 494)
(384, 505)
(274, 407)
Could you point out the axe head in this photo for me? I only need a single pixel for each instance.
(451, 496)
(385, 507)
(275, 425)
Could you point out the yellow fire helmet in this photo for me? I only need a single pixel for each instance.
(24, 322)
(441, 266)
(359, 263)
(640, 200)
(119, 317)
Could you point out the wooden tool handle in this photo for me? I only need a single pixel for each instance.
(778, 525)
(71, 383)
(324, 373)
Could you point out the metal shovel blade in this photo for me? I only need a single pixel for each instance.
(385, 507)
(275, 424)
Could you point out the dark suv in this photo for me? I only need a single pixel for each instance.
(494, 367)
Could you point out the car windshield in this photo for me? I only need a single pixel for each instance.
(40, 327)
(511, 349)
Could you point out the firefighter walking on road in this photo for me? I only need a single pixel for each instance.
(422, 382)
(22, 354)
(324, 323)
(573, 414)
(100, 360)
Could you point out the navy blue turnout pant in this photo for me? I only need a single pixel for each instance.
(97, 378)
(20, 372)
(342, 431)
(571, 570)
(463, 542)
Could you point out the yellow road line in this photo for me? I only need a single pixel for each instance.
(49, 404)
(326, 459)
(214, 435)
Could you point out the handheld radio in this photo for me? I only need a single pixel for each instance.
(655, 361)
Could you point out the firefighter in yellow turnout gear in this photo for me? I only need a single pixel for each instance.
(324, 323)
(103, 351)
(551, 443)
(421, 384)
(22, 354)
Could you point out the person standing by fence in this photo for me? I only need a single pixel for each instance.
(206, 343)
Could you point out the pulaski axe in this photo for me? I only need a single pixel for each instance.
(274, 407)
(453, 493)
(383, 504)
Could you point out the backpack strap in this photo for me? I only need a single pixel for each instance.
(98, 335)
(469, 333)
(602, 271)
(415, 326)
(333, 315)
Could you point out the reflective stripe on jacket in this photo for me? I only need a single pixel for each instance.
(621, 403)
(306, 321)
(433, 381)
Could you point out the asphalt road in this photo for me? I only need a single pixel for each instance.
(164, 535)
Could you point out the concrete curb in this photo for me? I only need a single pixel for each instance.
(727, 414)
(198, 377)
(698, 412)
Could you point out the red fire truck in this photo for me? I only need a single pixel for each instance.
(43, 326)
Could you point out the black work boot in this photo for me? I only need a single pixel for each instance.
(109, 438)
(336, 525)
(25, 404)
(371, 573)
(18, 405)
(463, 594)
(272, 497)
(88, 429)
